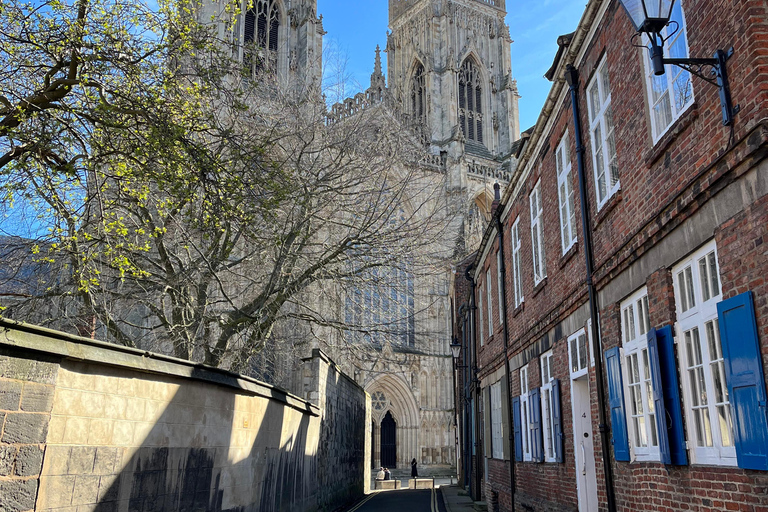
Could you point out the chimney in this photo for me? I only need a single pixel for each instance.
(496, 198)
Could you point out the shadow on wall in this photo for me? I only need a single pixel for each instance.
(341, 450)
(209, 450)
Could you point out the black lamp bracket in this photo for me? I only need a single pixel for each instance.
(717, 75)
(697, 66)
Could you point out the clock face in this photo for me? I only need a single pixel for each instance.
(378, 401)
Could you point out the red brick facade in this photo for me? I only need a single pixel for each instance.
(699, 182)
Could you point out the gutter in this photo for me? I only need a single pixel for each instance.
(569, 57)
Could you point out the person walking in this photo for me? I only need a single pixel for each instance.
(414, 471)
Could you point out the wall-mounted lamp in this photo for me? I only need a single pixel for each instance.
(650, 17)
(456, 353)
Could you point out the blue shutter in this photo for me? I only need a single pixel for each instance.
(518, 429)
(557, 421)
(537, 443)
(746, 383)
(619, 436)
(666, 397)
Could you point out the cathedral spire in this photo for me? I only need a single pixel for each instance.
(377, 78)
(377, 73)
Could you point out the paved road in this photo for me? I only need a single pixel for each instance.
(401, 501)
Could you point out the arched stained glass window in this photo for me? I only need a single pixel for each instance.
(419, 94)
(262, 27)
(471, 101)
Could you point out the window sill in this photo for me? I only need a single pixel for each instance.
(519, 309)
(608, 207)
(569, 254)
(675, 129)
(537, 289)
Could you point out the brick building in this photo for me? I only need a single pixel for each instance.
(669, 385)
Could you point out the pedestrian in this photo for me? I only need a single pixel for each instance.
(387, 474)
(414, 471)
(380, 475)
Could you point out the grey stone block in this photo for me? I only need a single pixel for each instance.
(10, 393)
(81, 460)
(25, 428)
(7, 456)
(37, 398)
(18, 368)
(29, 461)
(18, 495)
(106, 460)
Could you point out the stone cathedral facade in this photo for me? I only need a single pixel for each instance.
(449, 77)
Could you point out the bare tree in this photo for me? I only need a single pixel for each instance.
(188, 207)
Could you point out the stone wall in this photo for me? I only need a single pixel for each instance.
(89, 426)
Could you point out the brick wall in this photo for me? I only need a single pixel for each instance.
(700, 181)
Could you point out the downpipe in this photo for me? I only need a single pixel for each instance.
(472, 375)
(510, 422)
(572, 77)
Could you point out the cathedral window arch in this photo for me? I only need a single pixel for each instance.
(419, 93)
(261, 34)
(471, 101)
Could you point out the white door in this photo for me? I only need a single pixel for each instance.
(586, 479)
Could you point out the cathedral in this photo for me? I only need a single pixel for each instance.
(449, 77)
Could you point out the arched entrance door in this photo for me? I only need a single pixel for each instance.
(388, 441)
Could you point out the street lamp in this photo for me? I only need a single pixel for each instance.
(456, 349)
(650, 17)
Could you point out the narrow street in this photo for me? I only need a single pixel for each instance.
(403, 500)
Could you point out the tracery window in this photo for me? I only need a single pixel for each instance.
(419, 94)
(471, 101)
(380, 306)
(262, 27)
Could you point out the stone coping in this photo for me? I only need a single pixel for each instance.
(77, 348)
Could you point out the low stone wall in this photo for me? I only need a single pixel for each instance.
(93, 426)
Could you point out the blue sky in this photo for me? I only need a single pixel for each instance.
(355, 27)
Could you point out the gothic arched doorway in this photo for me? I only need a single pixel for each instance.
(388, 441)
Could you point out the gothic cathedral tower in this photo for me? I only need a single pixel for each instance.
(449, 66)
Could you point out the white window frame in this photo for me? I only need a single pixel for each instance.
(575, 348)
(635, 324)
(480, 318)
(517, 273)
(547, 407)
(497, 441)
(489, 291)
(672, 75)
(499, 287)
(525, 414)
(602, 135)
(696, 317)
(537, 235)
(565, 195)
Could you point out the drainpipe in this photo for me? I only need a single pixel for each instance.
(473, 376)
(507, 372)
(572, 77)
(463, 392)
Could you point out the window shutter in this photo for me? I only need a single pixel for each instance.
(505, 417)
(487, 427)
(518, 429)
(557, 421)
(620, 439)
(666, 397)
(745, 379)
(537, 448)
